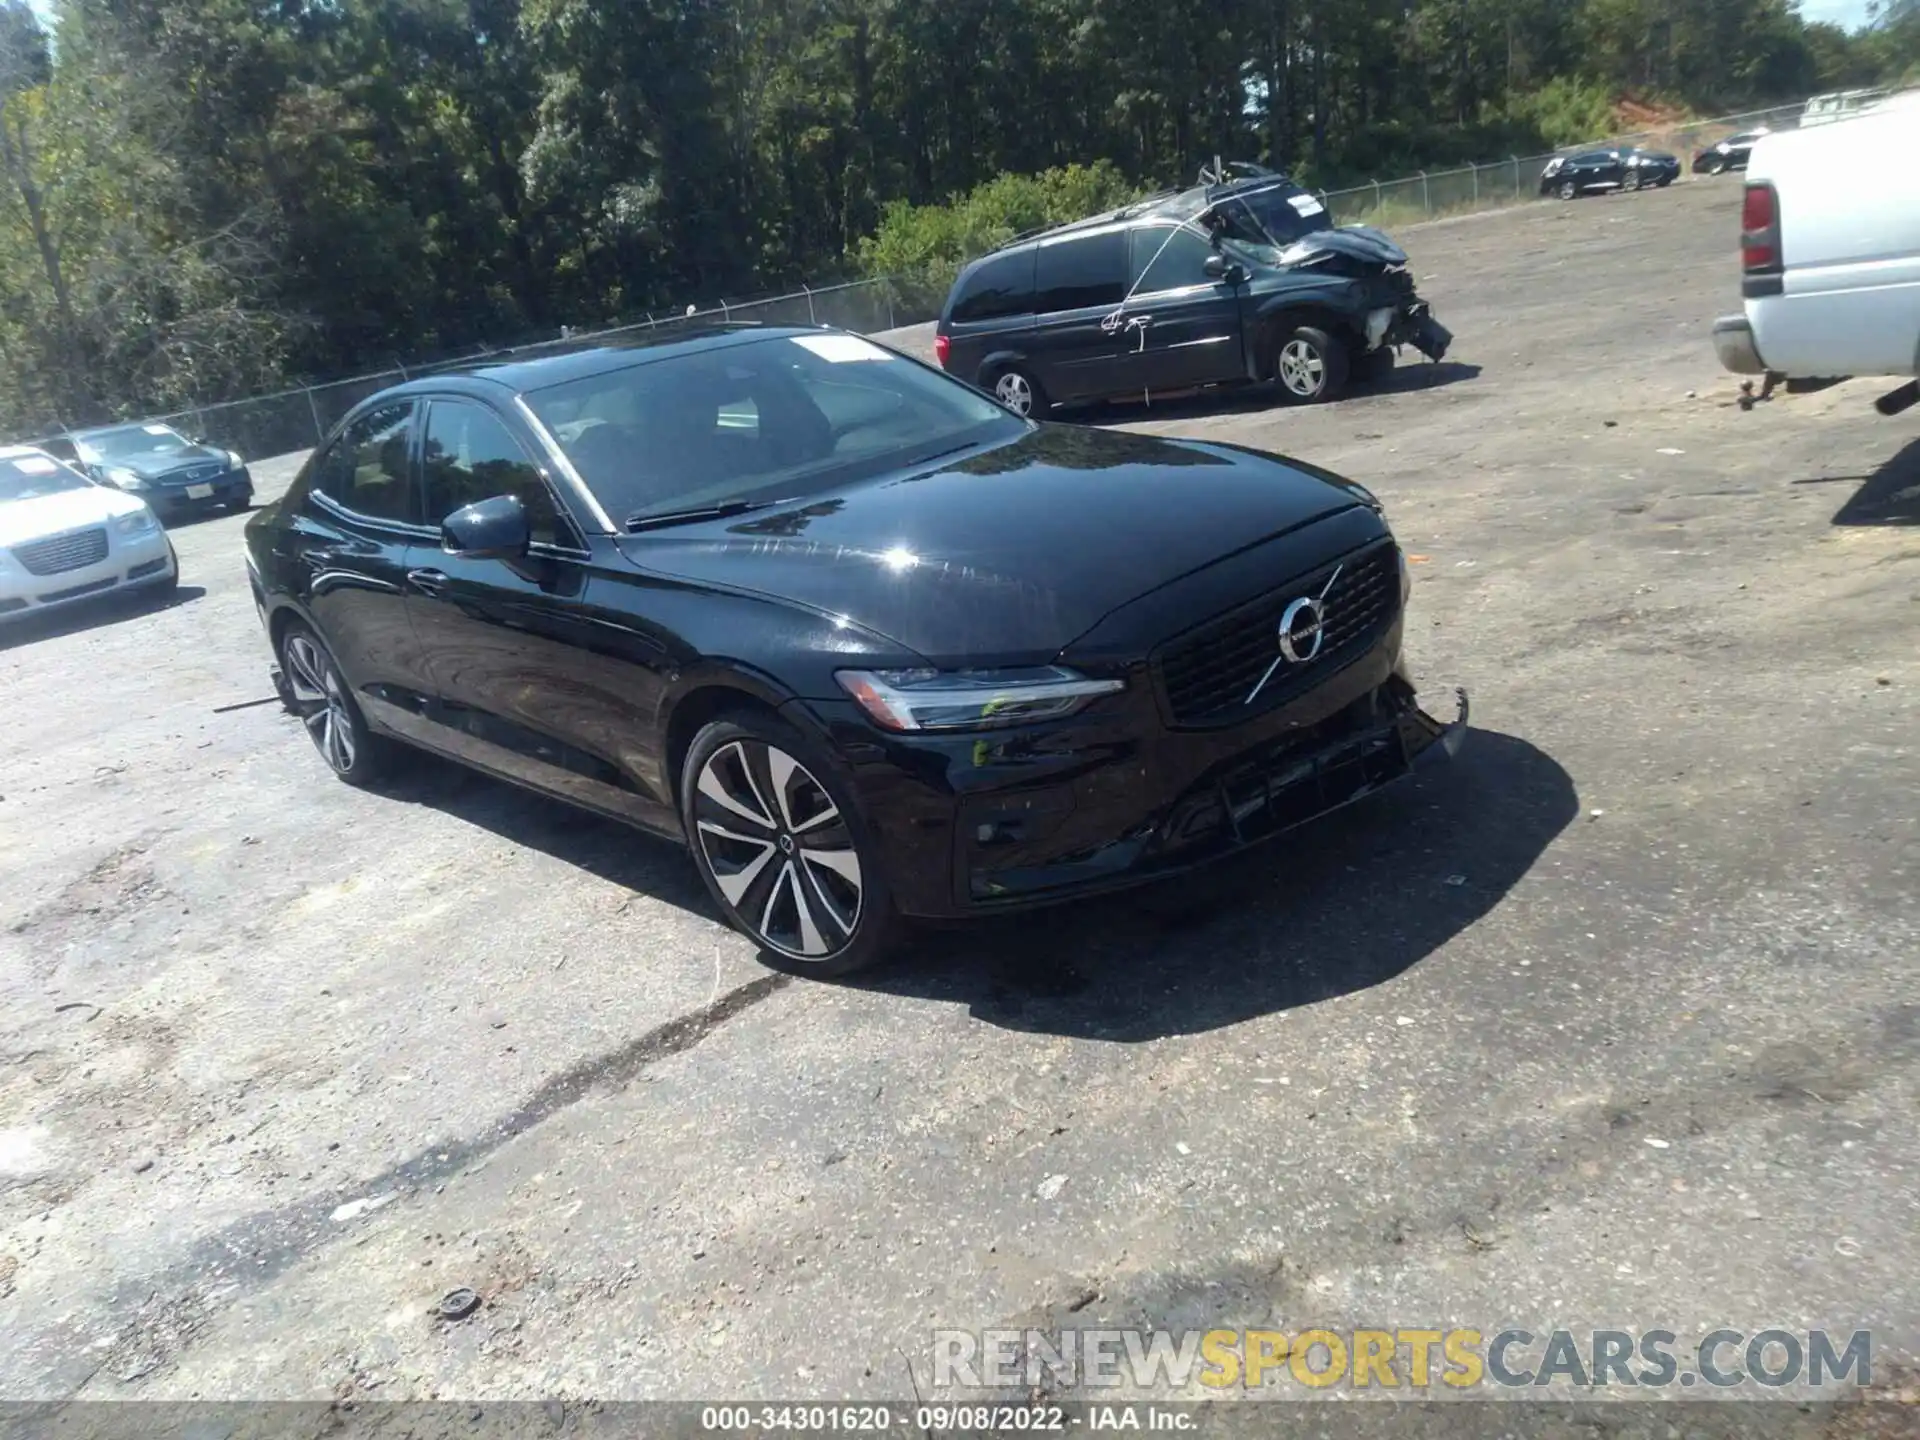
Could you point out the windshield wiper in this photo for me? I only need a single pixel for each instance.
(725, 509)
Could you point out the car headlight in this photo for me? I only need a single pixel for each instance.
(920, 700)
(235, 461)
(1406, 579)
(124, 478)
(139, 522)
(1365, 496)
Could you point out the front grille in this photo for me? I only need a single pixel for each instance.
(197, 475)
(1208, 674)
(63, 552)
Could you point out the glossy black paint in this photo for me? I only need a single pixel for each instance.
(583, 670)
(1216, 321)
(1592, 171)
(1732, 153)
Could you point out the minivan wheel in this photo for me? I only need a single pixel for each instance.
(322, 700)
(1310, 366)
(1016, 389)
(783, 850)
(1569, 190)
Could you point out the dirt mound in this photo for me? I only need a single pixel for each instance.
(1631, 115)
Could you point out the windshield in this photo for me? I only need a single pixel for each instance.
(1268, 221)
(773, 419)
(27, 477)
(102, 446)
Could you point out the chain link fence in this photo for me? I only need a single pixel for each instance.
(1516, 179)
(299, 418)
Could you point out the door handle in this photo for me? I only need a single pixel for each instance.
(427, 582)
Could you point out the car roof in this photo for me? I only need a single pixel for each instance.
(539, 367)
(111, 429)
(1179, 206)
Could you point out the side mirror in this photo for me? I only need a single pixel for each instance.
(495, 529)
(1218, 267)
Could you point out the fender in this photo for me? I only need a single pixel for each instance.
(993, 361)
(1335, 303)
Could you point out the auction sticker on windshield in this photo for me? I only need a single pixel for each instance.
(156, 429)
(1307, 205)
(34, 465)
(839, 349)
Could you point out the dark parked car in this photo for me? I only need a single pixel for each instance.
(1591, 171)
(871, 645)
(1216, 285)
(174, 475)
(1731, 153)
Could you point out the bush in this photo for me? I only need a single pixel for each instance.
(924, 246)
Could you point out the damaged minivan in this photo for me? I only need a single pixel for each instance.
(1242, 278)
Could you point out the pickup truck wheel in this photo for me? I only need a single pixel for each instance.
(1310, 365)
(1568, 190)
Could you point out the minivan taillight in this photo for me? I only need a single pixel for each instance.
(941, 345)
(1760, 230)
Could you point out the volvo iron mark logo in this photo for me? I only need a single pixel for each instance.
(1303, 631)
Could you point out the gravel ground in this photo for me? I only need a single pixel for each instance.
(1610, 1023)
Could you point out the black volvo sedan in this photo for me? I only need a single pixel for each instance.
(871, 645)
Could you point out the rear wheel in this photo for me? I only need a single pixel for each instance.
(783, 850)
(1018, 390)
(322, 700)
(1310, 366)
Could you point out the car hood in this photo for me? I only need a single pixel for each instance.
(1009, 553)
(1355, 242)
(24, 520)
(152, 464)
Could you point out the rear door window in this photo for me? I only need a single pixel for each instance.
(1081, 272)
(1001, 286)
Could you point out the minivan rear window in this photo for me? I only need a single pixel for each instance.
(1001, 285)
(1081, 272)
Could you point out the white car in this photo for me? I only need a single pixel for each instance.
(64, 538)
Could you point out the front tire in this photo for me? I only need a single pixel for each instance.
(1631, 183)
(784, 851)
(324, 704)
(1310, 366)
(1568, 190)
(1021, 392)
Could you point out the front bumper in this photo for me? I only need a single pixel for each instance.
(1733, 341)
(970, 825)
(1257, 798)
(130, 564)
(1415, 326)
(172, 502)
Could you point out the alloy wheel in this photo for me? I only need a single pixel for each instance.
(320, 700)
(779, 850)
(1303, 369)
(1013, 391)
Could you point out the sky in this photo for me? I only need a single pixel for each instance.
(1850, 13)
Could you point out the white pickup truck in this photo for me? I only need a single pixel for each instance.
(1830, 254)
